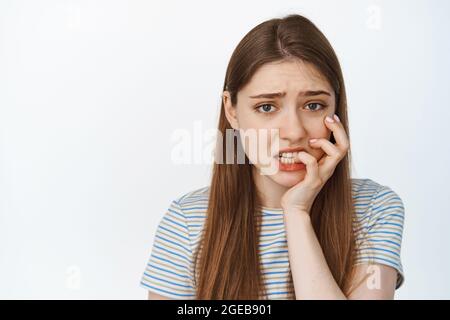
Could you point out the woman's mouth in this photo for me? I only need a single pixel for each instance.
(288, 161)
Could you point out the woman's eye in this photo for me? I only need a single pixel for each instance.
(315, 105)
(265, 108)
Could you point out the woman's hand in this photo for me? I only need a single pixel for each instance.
(301, 196)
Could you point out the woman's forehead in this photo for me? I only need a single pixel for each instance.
(286, 76)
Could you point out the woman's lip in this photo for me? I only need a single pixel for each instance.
(291, 166)
(290, 150)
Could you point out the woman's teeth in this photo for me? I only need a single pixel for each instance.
(289, 157)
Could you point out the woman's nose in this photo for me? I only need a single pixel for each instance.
(291, 128)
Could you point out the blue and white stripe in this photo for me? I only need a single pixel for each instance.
(378, 225)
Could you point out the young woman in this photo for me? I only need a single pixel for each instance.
(306, 231)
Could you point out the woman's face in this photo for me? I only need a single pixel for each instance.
(298, 113)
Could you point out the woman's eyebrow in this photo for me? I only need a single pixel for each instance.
(308, 93)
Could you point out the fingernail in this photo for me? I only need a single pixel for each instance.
(328, 119)
(336, 118)
(312, 140)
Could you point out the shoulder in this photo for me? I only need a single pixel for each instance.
(195, 195)
(181, 221)
(188, 210)
(365, 185)
(194, 201)
(372, 198)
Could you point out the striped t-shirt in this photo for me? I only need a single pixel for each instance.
(169, 272)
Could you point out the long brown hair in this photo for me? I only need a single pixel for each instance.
(228, 258)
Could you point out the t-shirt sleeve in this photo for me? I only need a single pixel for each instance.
(383, 233)
(168, 271)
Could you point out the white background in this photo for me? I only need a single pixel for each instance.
(91, 92)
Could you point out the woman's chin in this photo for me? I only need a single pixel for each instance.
(284, 175)
(288, 179)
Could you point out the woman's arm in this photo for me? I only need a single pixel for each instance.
(310, 272)
(155, 296)
(380, 285)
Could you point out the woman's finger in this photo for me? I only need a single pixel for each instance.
(336, 126)
(329, 161)
(312, 167)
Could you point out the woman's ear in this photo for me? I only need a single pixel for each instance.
(230, 110)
